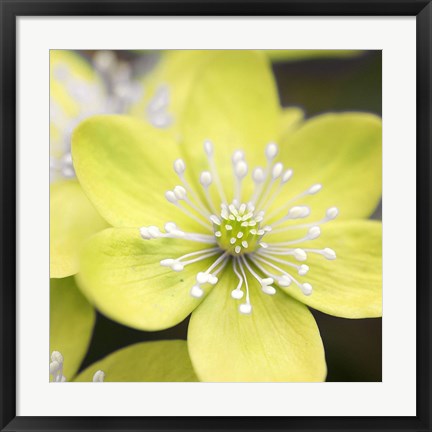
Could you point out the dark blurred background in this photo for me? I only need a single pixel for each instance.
(353, 347)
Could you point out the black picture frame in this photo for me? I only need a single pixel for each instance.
(11, 9)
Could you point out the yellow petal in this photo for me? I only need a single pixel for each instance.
(343, 153)
(125, 166)
(161, 361)
(73, 219)
(279, 341)
(351, 285)
(71, 324)
(122, 275)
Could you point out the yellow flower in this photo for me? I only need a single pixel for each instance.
(227, 233)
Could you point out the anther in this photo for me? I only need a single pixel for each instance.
(314, 189)
(330, 254)
(215, 219)
(99, 376)
(303, 269)
(171, 197)
(277, 170)
(237, 156)
(179, 166)
(284, 281)
(300, 254)
(258, 175)
(208, 147)
(306, 289)
(332, 213)
(286, 176)
(314, 232)
(57, 356)
(245, 308)
(196, 292)
(237, 294)
(180, 192)
(271, 150)
(241, 169)
(206, 178)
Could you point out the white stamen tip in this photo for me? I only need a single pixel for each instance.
(208, 147)
(258, 175)
(314, 232)
(57, 356)
(237, 249)
(179, 166)
(300, 255)
(314, 189)
(215, 219)
(180, 192)
(267, 289)
(196, 292)
(168, 262)
(330, 254)
(218, 234)
(237, 294)
(303, 269)
(171, 197)
(205, 178)
(237, 156)
(267, 281)
(245, 244)
(241, 169)
(202, 278)
(213, 280)
(240, 234)
(277, 170)
(332, 213)
(284, 281)
(286, 176)
(306, 289)
(177, 266)
(264, 245)
(298, 212)
(154, 231)
(245, 308)
(54, 367)
(271, 150)
(144, 233)
(170, 227)
(99, 376)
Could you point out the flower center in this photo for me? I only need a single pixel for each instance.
(238, 229)
(234, 235)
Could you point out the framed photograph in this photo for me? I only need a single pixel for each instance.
(215, 216)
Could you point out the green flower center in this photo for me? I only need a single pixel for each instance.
(238, 231)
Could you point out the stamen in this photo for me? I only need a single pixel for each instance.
(301, 269)
(56, 367)
(173, 198)
(265, 283)
(331, 214)
(99, 376)
(208, 148)
(246, 307)
(237, 293)
(285, 281)
(180, 168)
(207, 277)
(310, 191)
(240, 172)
